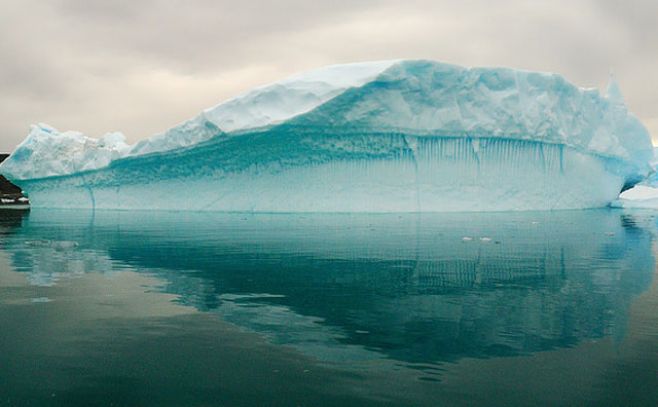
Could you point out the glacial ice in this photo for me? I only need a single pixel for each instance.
(639, 197)
(46, 152)
(379, 137)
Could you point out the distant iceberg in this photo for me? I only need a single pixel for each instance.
(391, 136)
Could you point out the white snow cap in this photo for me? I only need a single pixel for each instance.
(292, 96)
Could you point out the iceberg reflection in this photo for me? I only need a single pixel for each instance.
(412, 288)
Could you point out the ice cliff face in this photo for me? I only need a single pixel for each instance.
(383, 136)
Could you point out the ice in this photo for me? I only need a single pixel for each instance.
(378, 137)
(640, 197)
(264, 106)
(644, 195)
(293, 96)
(46, 152)
(184, 135)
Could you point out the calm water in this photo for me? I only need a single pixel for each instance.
(139, 308)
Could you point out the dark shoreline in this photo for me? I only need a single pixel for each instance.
(11, 196)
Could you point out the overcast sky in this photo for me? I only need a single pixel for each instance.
(142, 66)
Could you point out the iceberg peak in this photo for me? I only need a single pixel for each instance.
(613, 92)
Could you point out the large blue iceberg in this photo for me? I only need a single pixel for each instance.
(405, 136)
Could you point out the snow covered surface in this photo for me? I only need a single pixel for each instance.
(292, 96)
(381, 136)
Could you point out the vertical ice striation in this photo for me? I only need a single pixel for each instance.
(378, 137)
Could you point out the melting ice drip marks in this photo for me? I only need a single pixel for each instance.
(412, 173)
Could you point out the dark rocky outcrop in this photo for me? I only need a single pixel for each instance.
(7, 189)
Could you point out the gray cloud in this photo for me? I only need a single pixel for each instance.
(143, 66)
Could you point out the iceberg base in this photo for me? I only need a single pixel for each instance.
(425, 175)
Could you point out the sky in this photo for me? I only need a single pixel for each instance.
(141, 67)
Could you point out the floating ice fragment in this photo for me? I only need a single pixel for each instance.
(640, 197)
(54, 244)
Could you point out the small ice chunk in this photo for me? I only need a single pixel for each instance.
(53, 244)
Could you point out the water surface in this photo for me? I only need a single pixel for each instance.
(148, 308)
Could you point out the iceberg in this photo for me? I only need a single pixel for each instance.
(387, 136)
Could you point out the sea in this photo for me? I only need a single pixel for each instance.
(130, 308)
